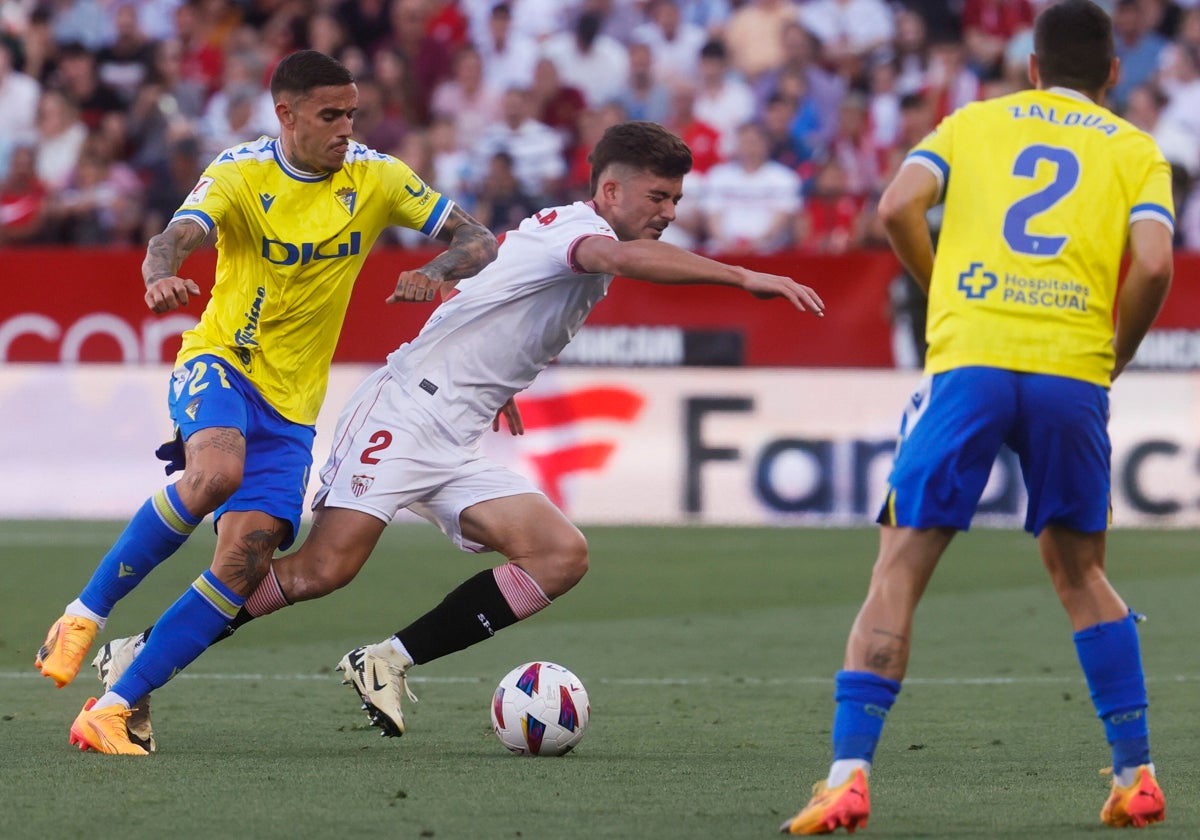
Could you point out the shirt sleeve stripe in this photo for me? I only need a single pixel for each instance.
(198, 216)
(438, 216)
(932, 162)
(1152, 211)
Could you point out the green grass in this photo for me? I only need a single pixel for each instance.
(707, 653)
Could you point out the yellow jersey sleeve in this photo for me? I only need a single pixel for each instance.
(1039, 189)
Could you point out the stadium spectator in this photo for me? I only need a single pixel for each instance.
(84, 22)
(450, 164)
(427, 59)
(556, 104)
(101, 202)
(325, 34)
(536, 148)
(60, 138)
(750, 201)
(790, 129)
(156, 18)
(596, 64)
(723, 100)
(502, 203)
(987, 27)
(391, 72)
(949, 82)
(883, 99)
(508, 55)
(366, 21)
(19, 96)
(466, 98)
(241, 108)
(853, 146)
(753, 36)
(644, 98)
(1180, 79)
(124, 64)
(201, 61)
(77, 77)
(1178, 144)
(817, 83)
(673, 41)
(169, 183)
(1139, 48)
(22, 199)
(831, 221)
(701, 138)
(848, 29)
(593, 122)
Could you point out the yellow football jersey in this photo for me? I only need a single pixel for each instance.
(289, 247)
(1040, 189)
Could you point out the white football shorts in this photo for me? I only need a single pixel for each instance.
(390, 454)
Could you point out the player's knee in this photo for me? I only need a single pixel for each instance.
(206, 487)
(571, 558)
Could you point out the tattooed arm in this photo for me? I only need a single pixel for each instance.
(164, 255)
(472, 246)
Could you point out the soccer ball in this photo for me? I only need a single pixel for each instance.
(540, 709)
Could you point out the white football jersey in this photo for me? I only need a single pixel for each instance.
(491, 339)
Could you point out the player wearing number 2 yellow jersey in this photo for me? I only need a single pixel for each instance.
(295, 217)
(1044, 191)
(1040, 190)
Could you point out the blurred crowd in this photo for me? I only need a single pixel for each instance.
(798, 111)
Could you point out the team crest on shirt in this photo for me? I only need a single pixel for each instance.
(348, 196)
(360, 484)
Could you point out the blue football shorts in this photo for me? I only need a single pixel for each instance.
(952, 431)
(207, 392)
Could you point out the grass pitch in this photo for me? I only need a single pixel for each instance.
(708, 656)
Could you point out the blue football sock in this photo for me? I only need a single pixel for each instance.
(1112, 662)
(155, 532)
(184, 632)
(863, 701)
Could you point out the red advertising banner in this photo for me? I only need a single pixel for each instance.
(86, 306)
(71, 305)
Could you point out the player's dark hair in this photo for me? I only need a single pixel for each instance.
(1073, 42)
(304, 70)
(641, 145)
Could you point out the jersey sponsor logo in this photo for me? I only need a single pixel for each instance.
(428, 387)
(420, 189)
(267, 200)
(277, 252)
(198, 192)
(348, 197)
(1045, 292)
(975, 282)
(360, 484)
(245, 336)
(1052, 115)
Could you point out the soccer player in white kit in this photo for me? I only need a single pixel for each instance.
(409, 436)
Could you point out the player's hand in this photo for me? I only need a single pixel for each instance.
(512, 417)
(765, 286)
(169, 293)
(415, 287)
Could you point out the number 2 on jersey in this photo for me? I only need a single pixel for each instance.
(1016, 220)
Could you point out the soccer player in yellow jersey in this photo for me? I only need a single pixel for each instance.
(295, 217)
(1043, 191)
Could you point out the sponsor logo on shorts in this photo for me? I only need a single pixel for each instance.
(360, 484)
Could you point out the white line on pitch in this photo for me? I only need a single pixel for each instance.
(669, 681)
